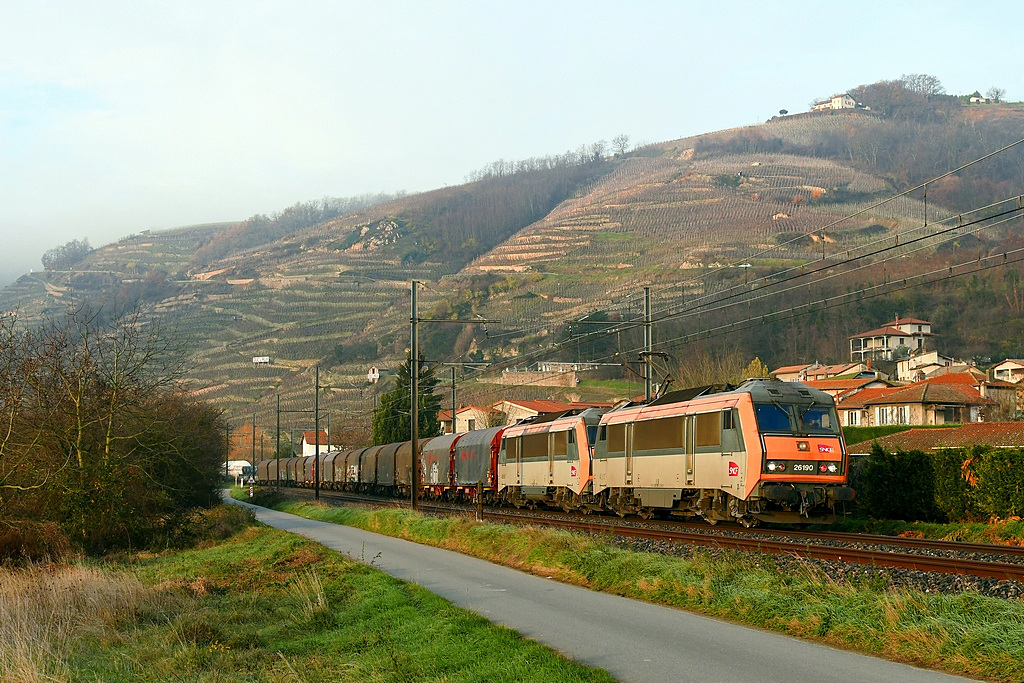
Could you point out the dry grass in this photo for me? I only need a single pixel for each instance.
(44, 610)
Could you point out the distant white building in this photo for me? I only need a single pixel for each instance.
(840, 101)
(919, 366)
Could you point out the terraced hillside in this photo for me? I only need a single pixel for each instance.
(533, 249)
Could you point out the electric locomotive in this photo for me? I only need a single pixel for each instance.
(766, 451)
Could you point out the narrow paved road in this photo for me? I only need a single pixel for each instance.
(633, 641)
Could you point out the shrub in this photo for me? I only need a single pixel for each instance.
(953, 494)
(28, 542)
(899, 485)
(1000, 481)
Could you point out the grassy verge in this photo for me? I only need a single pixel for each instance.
(997, 532)
(967, 633)
(263, 606)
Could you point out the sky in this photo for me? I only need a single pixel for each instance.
(116, 117)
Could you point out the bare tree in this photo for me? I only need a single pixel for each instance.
(923, 83)
(995, 94)
(620, 143)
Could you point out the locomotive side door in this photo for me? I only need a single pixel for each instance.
(688, 449)
(629, 452)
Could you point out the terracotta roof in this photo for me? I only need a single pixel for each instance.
(786, 369)
(838, 369)
(884, 332)
(998, 434)
(840, 384)
(931, 393)
(911, 321)
(909, 440)
(310, 437)
(860, 399)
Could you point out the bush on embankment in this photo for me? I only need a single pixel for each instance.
(954, 484)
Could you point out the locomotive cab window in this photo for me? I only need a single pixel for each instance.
(818, 419)
(772, 417)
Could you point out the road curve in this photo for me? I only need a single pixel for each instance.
(634, 641)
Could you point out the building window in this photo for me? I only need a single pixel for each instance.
(471, 425)
(852, 418)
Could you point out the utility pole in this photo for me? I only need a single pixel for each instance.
(227, 449)
(414, 382)
(253, 458)
(414, 396)
(455, 406)
(648, 344)
(277, 447)
(316, 428)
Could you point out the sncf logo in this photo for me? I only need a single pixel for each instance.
(734, 469)
(572, 471)
(822, 448)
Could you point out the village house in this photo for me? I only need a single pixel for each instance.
(840, 389)
(891, 341)
(815, 371)
(467, 418)
(514, 412)
(922, 365)
(309, 440)
(1009, 370)
(923, 403)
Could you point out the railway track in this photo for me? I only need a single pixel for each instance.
(1001, 563)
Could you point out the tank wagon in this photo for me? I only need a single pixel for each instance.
(766, 451)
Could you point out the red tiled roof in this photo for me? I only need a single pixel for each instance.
(909, 440)
(826, 384)
(954, 378)
(310, 437)
(933, 393)
(786, 369)
(997, 434)
(860, 399)
(911, 321)
(884, 332)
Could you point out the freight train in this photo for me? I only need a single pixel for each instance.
(763, 452)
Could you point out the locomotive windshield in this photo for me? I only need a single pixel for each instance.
(796, 419)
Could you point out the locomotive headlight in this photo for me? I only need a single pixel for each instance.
(823, 468)
(832, 468)
(802, 446)
(776, 466)
(772, 467)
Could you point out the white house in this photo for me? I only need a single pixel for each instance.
(1009, 370)
(891, 341)
(840, 101)
(923, 365)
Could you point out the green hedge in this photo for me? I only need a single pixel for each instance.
(956, 484)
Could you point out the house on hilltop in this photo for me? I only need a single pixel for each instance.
(840, 101)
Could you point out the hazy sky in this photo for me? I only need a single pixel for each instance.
(121, 116)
